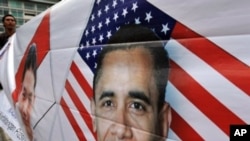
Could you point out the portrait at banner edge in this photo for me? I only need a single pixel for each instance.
(176, 52)
(26, 96)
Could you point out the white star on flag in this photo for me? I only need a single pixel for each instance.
(106, 8)
(114, 3)
(165, 28)
(148, 17)
(101, 38)
(109, 34)
(99, 13)
(107, 21)
(137, 20)
(134, 6)
(124, 12)
(100, 25)
(115, 16)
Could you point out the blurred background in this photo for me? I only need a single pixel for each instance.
(23, 10)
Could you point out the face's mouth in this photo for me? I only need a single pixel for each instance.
(26, 122)
(10, 25)
(25, 119)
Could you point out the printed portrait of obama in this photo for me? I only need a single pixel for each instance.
(129, 87)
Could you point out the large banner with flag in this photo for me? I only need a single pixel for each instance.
(50, 71)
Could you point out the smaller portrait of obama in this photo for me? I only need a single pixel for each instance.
(129, 87)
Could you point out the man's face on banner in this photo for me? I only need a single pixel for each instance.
(125, 105)
(26, 100)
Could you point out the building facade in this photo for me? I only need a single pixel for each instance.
(23, 10)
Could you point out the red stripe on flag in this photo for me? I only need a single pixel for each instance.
(72, 120)
(81, 80)
(184, 131)
(202, 99)
(80, 107)
(229, 66)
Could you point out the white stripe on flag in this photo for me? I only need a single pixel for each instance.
(67, 129)
(80, 93)
(207, 76)
(190, 113)
(237, 45)
(84, 68)
(86, 131)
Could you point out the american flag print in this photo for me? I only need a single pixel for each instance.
(201, 108)
(108, 16)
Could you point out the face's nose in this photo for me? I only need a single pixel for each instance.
(24, 109)
(120, 126)
(122, 131)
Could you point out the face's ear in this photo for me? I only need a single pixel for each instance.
(92, 106)
(166, 118)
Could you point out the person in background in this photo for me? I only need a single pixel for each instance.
(9, 23)
(129, 87)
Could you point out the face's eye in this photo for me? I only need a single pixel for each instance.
(108, 103)
(138, 107)
(30, 99)
(24, 95)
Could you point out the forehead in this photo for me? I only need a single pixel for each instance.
(9, 18)
(136, 58)
(132, 68)
(29, 78)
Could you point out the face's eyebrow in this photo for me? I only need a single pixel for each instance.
(139, 95)
(106, 94)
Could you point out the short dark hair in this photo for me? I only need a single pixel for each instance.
(8, 15)
(30, 62)
(134, 36)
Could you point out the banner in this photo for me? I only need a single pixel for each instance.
(8, 120)
(131, 69)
